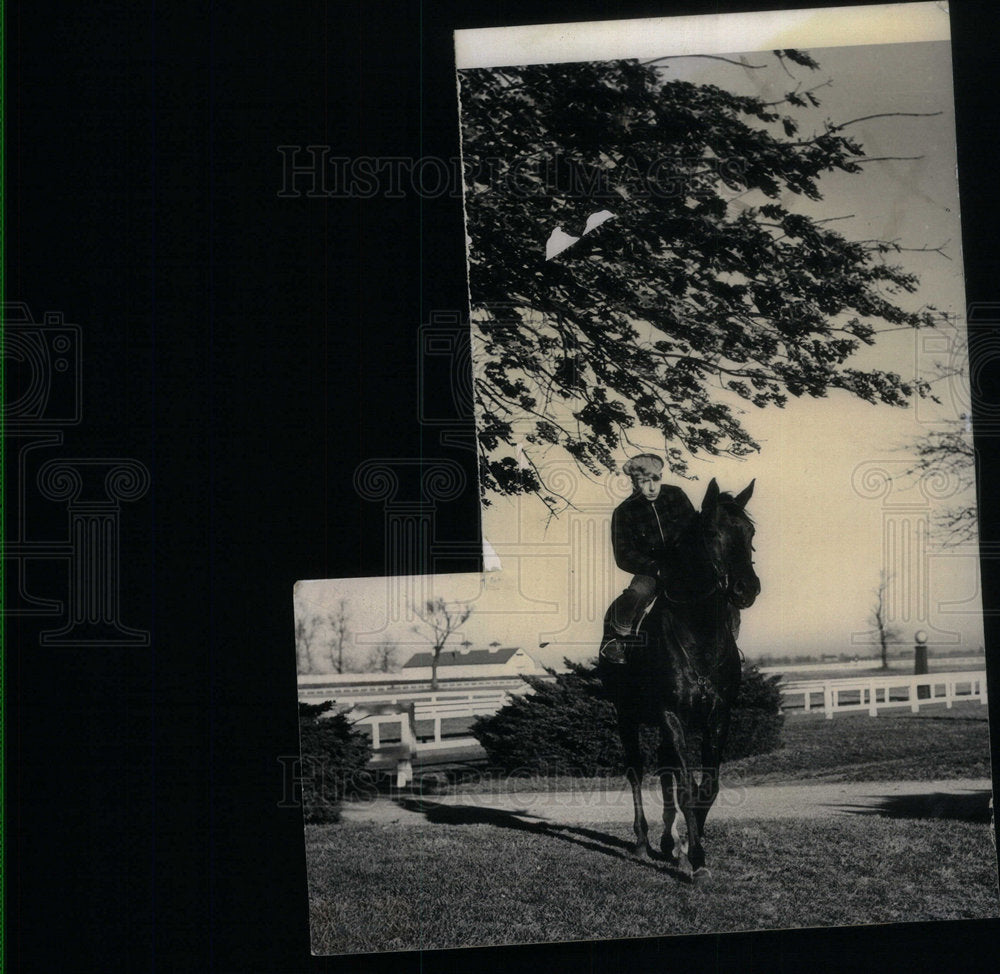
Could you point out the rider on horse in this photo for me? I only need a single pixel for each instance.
(644, 531)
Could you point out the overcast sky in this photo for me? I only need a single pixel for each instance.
(824, 532)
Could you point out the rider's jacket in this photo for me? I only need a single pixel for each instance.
(643, 531)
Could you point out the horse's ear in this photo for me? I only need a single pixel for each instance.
(711, 502)
(744, 495)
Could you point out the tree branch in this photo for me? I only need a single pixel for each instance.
(866, 118)
(808, 91)
(888, 159)
(710, 57)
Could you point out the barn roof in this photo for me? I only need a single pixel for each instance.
(475, 657)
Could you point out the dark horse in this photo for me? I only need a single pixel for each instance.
(682, 671)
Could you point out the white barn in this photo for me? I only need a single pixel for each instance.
(457, 665)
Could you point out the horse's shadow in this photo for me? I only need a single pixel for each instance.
(439, 813)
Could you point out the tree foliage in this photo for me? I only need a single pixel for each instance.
(702, 291)
(948, 457)
(567, 726)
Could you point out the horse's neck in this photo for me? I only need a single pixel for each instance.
(685, 580)
(704, 613)
(704, 629)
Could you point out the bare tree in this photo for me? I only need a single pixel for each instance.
(383, 658)
(439, 621)
(879, 618)
(306, 630)
(339, 622)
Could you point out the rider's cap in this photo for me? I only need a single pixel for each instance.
(644, 465)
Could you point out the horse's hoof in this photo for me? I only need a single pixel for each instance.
(701, 877)
(640, 850)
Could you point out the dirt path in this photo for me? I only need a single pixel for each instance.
(960, 799)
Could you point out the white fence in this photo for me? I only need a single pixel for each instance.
(404, 710)
(875, 693)
(404, 715)
(361, 688)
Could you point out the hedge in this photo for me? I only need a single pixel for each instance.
(334, 756)
(566, 726)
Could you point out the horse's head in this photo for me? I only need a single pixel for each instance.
(729, 537)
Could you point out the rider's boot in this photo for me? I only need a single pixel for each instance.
(613, 649)
(620, 618)
(622, 613)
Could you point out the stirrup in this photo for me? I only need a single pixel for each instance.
(613, 650)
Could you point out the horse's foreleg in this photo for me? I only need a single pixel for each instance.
(629, 733)
(712, 742)
(670, 845)
(672, 753)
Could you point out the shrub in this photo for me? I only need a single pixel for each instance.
(563, 727)
(566, 726)
(334, 756)
(757, 717)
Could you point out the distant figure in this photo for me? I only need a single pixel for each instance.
(644, 532)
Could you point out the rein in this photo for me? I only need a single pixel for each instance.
(719, 584)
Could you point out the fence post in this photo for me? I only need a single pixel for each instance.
(408, 746)
(879, 692)
(408, 729)
(920, 667)
(437, 730)
(404, 772)
(376, 741)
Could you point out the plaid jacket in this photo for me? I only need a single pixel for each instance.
(642, 532)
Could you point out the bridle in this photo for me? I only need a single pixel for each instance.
(719, 584)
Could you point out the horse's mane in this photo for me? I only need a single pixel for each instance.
(729, 503)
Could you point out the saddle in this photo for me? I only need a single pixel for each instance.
(616, 648)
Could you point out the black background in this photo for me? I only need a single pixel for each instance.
(251, 351)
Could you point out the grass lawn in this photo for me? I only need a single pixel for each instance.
(934, 744)
(376, 888)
